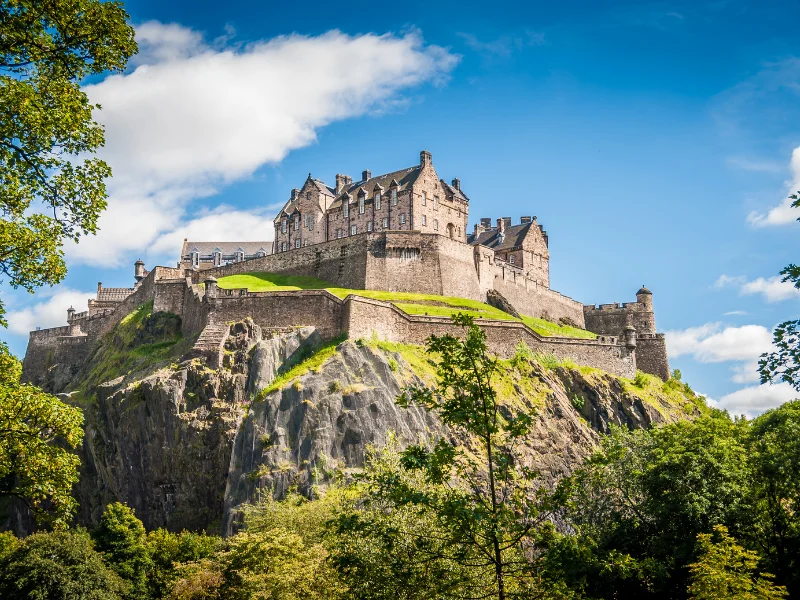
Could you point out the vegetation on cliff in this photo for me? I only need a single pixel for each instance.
(410, 303)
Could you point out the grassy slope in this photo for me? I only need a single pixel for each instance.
(410, 303)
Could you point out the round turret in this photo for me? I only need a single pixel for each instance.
(138, 270)
(70, 314)
(630, 337)
(645, 297)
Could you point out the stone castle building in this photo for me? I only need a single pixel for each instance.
(405, 231)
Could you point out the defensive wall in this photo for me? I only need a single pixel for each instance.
(411, 261)
(355, 316)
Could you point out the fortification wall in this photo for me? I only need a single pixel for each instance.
(194, 315)
(341, 262)
(275, 310)
(365, 318)
(613, 318)
(651, 355)
(168, 295)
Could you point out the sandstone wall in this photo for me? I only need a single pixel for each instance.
(651, 354)
(613, 318)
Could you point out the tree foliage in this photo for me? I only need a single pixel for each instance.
(62, 565)
(36, 432)
(726, 570)
(51, 188)
(784, 363)
(121, 538)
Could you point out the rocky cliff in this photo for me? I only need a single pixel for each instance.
(185, 443)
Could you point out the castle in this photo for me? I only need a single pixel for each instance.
(405, 231)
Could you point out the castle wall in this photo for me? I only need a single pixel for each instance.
(168, 296)
(612, 319)
(365, 318)
(194, 315)
(276, 310)
(651, 354)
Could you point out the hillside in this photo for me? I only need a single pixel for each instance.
(184, 444)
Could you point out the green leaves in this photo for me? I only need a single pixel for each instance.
(51, 189)
(35, 427)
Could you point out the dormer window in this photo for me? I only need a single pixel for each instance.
(377, 200)
(261, 253)
(239, 255)
(195, 259)
(361, 205)
(217, 257)
(394, 196)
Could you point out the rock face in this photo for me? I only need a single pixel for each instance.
(185, 445)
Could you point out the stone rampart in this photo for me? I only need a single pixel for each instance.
(651, 354)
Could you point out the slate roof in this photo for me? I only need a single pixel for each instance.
(404, 178)
(113, 294)
(512, 237)
(227, 248)
(457, 193)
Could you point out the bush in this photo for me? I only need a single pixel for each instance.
(640, 380)
(578, 402)
(63, 565)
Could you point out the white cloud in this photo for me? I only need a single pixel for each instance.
(50, 313)
(735, 313)
(224, 224)
(194, 117)
(772, 288)
(756, 399)
(711, 343)
(783, 213)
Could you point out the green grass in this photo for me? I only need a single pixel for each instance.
(409, 302)
(311, 363)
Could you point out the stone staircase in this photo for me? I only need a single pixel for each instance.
(210, 343)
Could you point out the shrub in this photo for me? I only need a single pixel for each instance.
(578, 402)
(640, 380)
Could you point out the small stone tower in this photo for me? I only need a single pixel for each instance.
(138, 270)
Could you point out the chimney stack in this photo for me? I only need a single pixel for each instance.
(341, 182)
(425, 158)
(501, 226)
(457, 183)
(366, 175)
(295, 193)
(486, 224)
(524, 220)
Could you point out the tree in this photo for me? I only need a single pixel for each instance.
(726, 570)
(121, 538)
(775, 489)
(35, 427)
(167, 549)
(62, 565)
(51, 188)
(784, 363)
(483, 496)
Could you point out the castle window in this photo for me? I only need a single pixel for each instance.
(297, 243)
(424, 198)
(338, 233)
(511, 259)
(305, 243)
(261, 253)
(217, 258)
(377, 200)
(361, 205)
(283, 247)
(308, 195)
(403, 219)
(385, 222)
(369, 225)
(195, 259)
(394, 197)
(239, 255)
(346, 207)
(283, 226)
(296, 222)
(353, 230)
(424, 220)
(436, 224)
(436, 203)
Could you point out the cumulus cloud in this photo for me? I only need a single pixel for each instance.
(50, 313)
(773, 288)
(783, 213)
(193, 117)
(713, 343)
(754, 400)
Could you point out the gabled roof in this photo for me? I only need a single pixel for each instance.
(513, 237)
(323, 188)
(404, 178)
(226, 248)
(457, 193)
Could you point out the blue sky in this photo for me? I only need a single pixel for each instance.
(653, 141)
